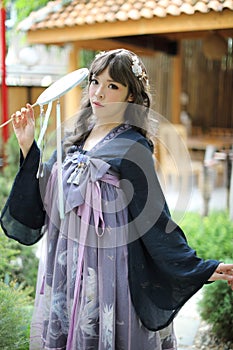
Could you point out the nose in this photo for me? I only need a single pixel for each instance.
(99, 93)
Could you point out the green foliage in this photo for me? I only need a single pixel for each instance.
(25, 7)
(216, 307)
(212, 238)
(17, 262)
(86, 57)
(27, 274)
(12, 158)
(9, 170)
(16, 311)
(8, 253)
(5, 186)
(8, 249)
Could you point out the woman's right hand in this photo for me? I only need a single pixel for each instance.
(223, 272)
(24, 128)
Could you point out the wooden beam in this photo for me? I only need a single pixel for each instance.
(109, 44)
(176, 88)
(73, 97)
(170, 24)
(225, 33)
(154, 42)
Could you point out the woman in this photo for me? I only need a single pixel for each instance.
(116, 269)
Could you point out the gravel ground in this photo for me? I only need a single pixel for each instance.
(205, 340)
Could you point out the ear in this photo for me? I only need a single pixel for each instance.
(130, 98)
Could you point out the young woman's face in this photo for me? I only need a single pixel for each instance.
(108, 98)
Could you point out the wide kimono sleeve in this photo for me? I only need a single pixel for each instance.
(164, 272)
(23, 215)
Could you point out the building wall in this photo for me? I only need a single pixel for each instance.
(209, 86)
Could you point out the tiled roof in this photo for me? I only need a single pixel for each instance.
(68, 13)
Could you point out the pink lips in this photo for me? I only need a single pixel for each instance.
(97, 104)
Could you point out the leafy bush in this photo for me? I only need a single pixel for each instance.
(5, 186)
(8, 253)
(216, 307)
(11, 163)
(18, 270)
(18, 263)
(16, 311)
(212, 238)
(12, 158)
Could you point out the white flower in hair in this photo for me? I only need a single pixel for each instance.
(136, 68)
(99, 54)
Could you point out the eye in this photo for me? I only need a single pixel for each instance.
(113, 86)
(94, 82)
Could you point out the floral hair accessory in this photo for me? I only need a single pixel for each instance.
(99, 54)
(137, 70)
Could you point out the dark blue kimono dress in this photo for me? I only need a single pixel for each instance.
(116, 269)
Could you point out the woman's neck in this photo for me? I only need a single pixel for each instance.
(102, 127)
(98, 132)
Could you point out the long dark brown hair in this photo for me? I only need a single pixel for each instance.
(119, 63)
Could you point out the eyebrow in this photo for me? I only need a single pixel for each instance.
(108, 80)
(112, 81)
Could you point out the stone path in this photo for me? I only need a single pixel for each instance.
(186, 324)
